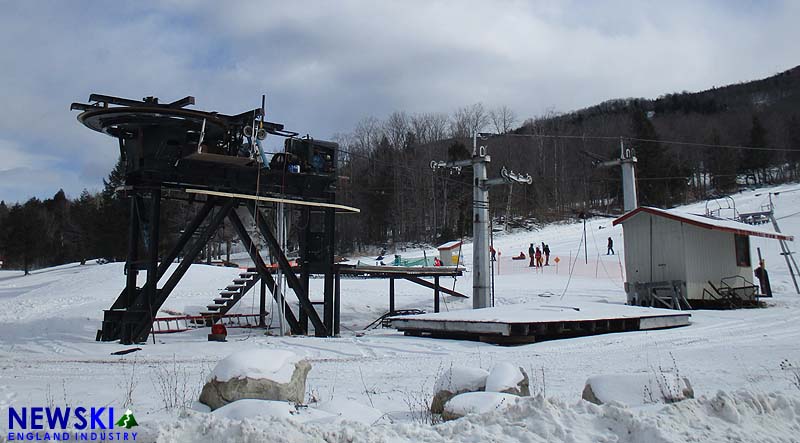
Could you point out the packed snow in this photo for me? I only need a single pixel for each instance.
(504, 375)
(479, 403)
(543, 310)
(739, 362)
(270, 364)
(639, 389)
(461, 379)
(351, 410)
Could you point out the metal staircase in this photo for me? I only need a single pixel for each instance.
(229, 296)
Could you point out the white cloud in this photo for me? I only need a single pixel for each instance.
(325, 65)
(13, 157)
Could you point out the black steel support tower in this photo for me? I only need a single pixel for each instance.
(167, 150)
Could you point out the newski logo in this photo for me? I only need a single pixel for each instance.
(57, 423)
(58, 418)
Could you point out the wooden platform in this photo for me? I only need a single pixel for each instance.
(400, 271)
(527, 323)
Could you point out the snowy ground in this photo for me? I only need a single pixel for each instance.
(48, 355)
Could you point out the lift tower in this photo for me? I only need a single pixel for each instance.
(480, 214)
(216, 160)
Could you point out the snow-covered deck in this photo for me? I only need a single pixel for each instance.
(531, 321)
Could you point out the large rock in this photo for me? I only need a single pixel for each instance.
(477, 403)
(456, 381)
(257, 374)
(508, 378)
(637, 389)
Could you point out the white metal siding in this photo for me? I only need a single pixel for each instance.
(668, 250)
(666, 260)
(680, 251)
(637, 248)
(710, 255)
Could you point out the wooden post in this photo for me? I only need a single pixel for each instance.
(436, 294)
(391, 294)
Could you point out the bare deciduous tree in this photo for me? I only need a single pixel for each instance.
(503, 119)
(468, 120)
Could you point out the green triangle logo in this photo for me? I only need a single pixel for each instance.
(127, 421)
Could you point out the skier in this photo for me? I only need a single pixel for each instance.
(437, 262)
(546, 251)
(610, 247)
(538, 257)
(493, 252)
(531, 254)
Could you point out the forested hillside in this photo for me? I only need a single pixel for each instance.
(690, 153)
(689, 146)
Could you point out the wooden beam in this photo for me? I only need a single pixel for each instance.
(430, 285)
(288, 201)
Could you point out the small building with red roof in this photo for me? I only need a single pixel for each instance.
(710, 258)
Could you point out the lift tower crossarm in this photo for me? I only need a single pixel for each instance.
(627, 160)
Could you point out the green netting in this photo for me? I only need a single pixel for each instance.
(399, 261)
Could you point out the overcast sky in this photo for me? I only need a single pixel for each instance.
(325, 65)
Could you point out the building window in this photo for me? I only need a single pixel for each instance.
(742, 250)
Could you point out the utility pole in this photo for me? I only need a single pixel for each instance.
(480, 214)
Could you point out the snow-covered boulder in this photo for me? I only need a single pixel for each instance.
(257, 374)
(456, 381)
(477, 403)
(350, 410)
(508, 378)
(252, 408)
(637, 389)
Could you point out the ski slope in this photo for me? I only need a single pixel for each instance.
(733, 358)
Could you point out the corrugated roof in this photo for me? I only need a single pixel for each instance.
(703, 221)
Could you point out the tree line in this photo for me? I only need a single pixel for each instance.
(385, 163)
(42, 233)
(685, 143)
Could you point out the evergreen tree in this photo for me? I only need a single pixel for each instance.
(57, 210)
(754, 161)
(661, 182)
(111, 231)
(3, 228)
(459, 188)
(26, 235)
(85, 213)
(793, 138)
(722, 163)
